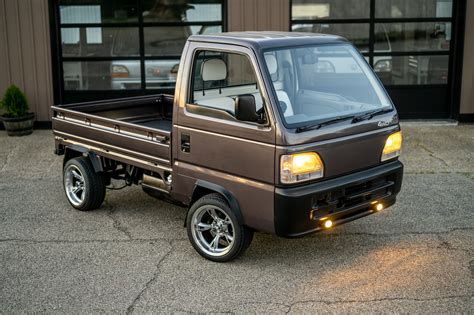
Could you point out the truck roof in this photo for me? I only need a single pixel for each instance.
(267, 39)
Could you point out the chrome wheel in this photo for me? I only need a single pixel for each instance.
(74, 184)
(212, 230)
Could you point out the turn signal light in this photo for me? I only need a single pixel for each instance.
(393, 146)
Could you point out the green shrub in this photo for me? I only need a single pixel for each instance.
(14, 102)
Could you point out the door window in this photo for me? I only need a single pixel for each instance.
(225, 86)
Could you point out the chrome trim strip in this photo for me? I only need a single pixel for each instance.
(110, 131)
(65, 138)
(225, 136)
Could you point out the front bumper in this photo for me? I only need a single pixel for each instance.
(298, 210)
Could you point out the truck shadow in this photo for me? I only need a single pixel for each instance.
(148, 217)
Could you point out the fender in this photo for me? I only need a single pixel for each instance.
(70, 151)
(204, 186)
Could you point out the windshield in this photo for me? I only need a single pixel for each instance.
(317, 83)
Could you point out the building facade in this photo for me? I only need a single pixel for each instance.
(64, 51)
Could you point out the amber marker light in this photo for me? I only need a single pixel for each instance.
(379, 207)
(393, 146)
(327, 224)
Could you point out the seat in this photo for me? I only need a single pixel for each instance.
(215, 70)
(272, 66)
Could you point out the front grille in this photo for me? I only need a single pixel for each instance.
(357, 196)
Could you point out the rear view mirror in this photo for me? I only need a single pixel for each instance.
(245, 108)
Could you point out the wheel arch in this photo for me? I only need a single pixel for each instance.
(203, 188)
(74, 150)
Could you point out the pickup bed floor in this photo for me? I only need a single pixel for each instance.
(157, 124)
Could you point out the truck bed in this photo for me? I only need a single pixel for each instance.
(133, 130)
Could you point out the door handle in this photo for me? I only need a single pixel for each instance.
(185, 143)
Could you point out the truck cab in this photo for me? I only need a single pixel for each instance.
(282, 133)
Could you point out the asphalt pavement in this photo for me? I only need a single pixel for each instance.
(132, 255)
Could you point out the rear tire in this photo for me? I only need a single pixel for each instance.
(214, 231)
(84, 188)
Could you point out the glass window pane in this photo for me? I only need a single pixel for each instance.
(329, 81)
(100, 41)
(408, 70)
(161, 73)
(219, 78)
(332, 9)
(101, 75)
(413, 9)
(357, 33)
(182, 11)
(170, 40)
(412, 36)
(97, 11)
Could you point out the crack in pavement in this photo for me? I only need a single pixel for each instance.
(329, 302)
(19, 240)
(431, 153)
(115, 222)
(403, 233)
(289, 306)
(8, 158)
(445, 244)
(151, 281)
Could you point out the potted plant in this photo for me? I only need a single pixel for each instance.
(17, 120)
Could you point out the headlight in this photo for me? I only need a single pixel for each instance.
(300, 167)
(384, 65)
(392, 147)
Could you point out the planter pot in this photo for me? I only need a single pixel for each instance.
(19, 126)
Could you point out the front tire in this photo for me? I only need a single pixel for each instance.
(85, 189)
(214, 231)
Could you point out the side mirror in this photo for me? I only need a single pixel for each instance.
(245, 108)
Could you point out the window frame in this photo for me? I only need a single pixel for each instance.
(189, 98)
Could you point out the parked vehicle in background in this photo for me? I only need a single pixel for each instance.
(283, 133)
(160, 73)
(382, 64)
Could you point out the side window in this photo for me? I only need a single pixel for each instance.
(224, 86)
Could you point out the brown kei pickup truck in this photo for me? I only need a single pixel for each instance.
(282, 133)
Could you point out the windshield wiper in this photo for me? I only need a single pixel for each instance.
(371, 114)
(324, 123)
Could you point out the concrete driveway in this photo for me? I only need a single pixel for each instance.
(133, 256)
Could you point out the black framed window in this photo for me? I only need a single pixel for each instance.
(404, 40)
(107, 47)
(408, 43)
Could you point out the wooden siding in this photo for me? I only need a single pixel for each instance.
(25, 54)
(258, 15)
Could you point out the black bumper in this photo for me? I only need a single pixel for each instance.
(299, 210)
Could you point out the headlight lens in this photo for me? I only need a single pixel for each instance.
(384, 65)
(300, 167)
(392, 147)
